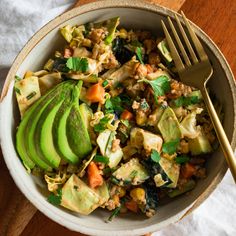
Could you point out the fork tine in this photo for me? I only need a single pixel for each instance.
(174, 53)
(200, 50)
(189, 46)
(181, 47)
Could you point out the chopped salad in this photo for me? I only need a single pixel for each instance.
(107, 124)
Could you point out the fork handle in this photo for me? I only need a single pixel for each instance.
(224, 142)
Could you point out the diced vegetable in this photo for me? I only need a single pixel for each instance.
(188, 170)
(164, 50)
(104, 142)
(200, 144)
(141, 138)
(96, 93)
(111, 27)
(169, 125)
(49, 81)
(94, 177)
(27, 92)
(132, 206)
(126, 115)
(185, 188)
(188, 124)
(129, 173)
(78, 197)
(138, 195)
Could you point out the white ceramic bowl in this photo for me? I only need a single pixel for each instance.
(134, 14)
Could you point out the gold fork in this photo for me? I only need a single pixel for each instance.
(196, 71)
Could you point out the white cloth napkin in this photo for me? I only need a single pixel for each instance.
(19, 20)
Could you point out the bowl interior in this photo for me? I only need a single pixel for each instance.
(132, 18)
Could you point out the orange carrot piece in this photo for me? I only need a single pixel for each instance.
(126, 115)
(96, 93)
(94, 177)
(188, 170)
(132, 206)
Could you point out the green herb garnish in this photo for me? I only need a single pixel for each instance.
(160, 86)
(115, 213)
(182, 159)
(17, 90)
(31, 95)
(102, 159)
(17, 78)
(105, 83)
(55, 199)
(113, 105)
(155, 156)
(77, 64)
(139, 54)
(170, 147)
(186, 101)
(101, 126)
(133, 174)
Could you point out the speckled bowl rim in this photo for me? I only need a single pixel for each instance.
(37, 37)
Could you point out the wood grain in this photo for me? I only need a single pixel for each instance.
(172, 4)
(216, 17)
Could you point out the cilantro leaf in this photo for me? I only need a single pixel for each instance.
(17, 90)
(182, 159)
(113, 105)
(160, 86)
(170, 147)
(105, 83)
(55, 199)
(77, 64)
(101, 126)
(186, 101)
(102, 159)
(155, 156)
(139, 54)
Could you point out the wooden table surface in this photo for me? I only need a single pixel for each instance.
(17, 216)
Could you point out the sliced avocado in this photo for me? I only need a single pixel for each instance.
(169, 125)
(200, 145)
(130, 173)
(44, 132)
(79, 197)
(31, 136)
(20, 137)
(21, 144)
(77, 134)
(87, 114)
(46, 137)
(59, 132)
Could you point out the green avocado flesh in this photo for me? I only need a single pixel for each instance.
(77, 133)
(59, 133)
(44, 136)
(21, 142)
(34, 126)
